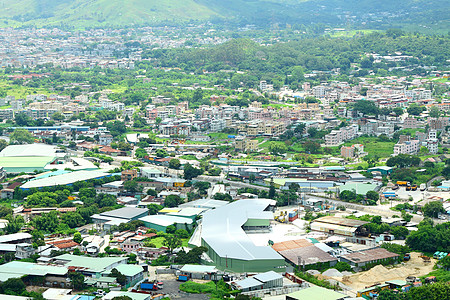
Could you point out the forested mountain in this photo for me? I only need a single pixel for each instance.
(356, 13)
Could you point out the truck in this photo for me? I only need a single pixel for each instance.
(182, 277)
(389, 194)
(414, 187)
(423, 186)
(403, 183)
(408, 188)
(153, 285)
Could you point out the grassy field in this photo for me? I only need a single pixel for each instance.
(352, 33)
(158, 241)
(373, 146)
(20, 91)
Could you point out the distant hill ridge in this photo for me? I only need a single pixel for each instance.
(103, 13)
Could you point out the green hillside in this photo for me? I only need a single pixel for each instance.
(360, 14)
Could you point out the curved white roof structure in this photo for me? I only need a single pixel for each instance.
(222, 230)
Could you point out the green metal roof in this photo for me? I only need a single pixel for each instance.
(92, 264)
(25, 162)
(317, 293)
(16, 269)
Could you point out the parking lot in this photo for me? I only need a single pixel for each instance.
(172, 289)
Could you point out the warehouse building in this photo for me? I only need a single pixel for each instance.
(229, 247)
(261, 281)
(89, 266)
(362, 258)
(64, 179)
(305, 254)
(339, 226)
(108, 219)
(52, 275)
(161, 222)
(29, 158)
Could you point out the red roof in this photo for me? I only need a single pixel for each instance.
(64, 244)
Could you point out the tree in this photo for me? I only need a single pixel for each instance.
(72, 219)
(121, 279)
(4, 211)
(415, 109)
(3, 144)
(312, 132)
(172, 201)
(434, 112)
(272, 191)
(251, 178)
(57, 116)
(13, 286)
(172, 242)
(22, 119)
(154, 208)
(77, 280)
(190, 172)
(152, 192)
(132, 186)
(140, 153)
(77, 237)
(161, 153)
(433, 209)
(372, 195)
(223, 197)
(171, 229)
(21, 136)
(277, 148)
(174, 164)
(366, 107)
(399, 232)
(312, 147)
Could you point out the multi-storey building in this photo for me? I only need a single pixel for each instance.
(408, 147)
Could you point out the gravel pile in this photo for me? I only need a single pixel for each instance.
(332, 273)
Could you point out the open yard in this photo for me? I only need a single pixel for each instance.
(414, 267)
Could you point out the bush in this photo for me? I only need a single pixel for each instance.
(343, 266)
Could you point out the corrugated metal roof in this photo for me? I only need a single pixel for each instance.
(14, 237)
(341, 221)
(222, 230)
(268, 276)
(64, 179)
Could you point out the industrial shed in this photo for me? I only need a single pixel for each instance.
(115, 217)
(161, 222)
(362, 258)
(260, 281)
(304, 253)
(229, 247)
(339, 226)
(28, 158)
(64, 179)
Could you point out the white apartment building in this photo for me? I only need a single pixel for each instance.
(433, 146)
(217, 125)
(408, 147)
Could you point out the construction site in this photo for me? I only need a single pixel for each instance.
(416, 267)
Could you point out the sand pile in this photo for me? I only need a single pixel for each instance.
(381, 273)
